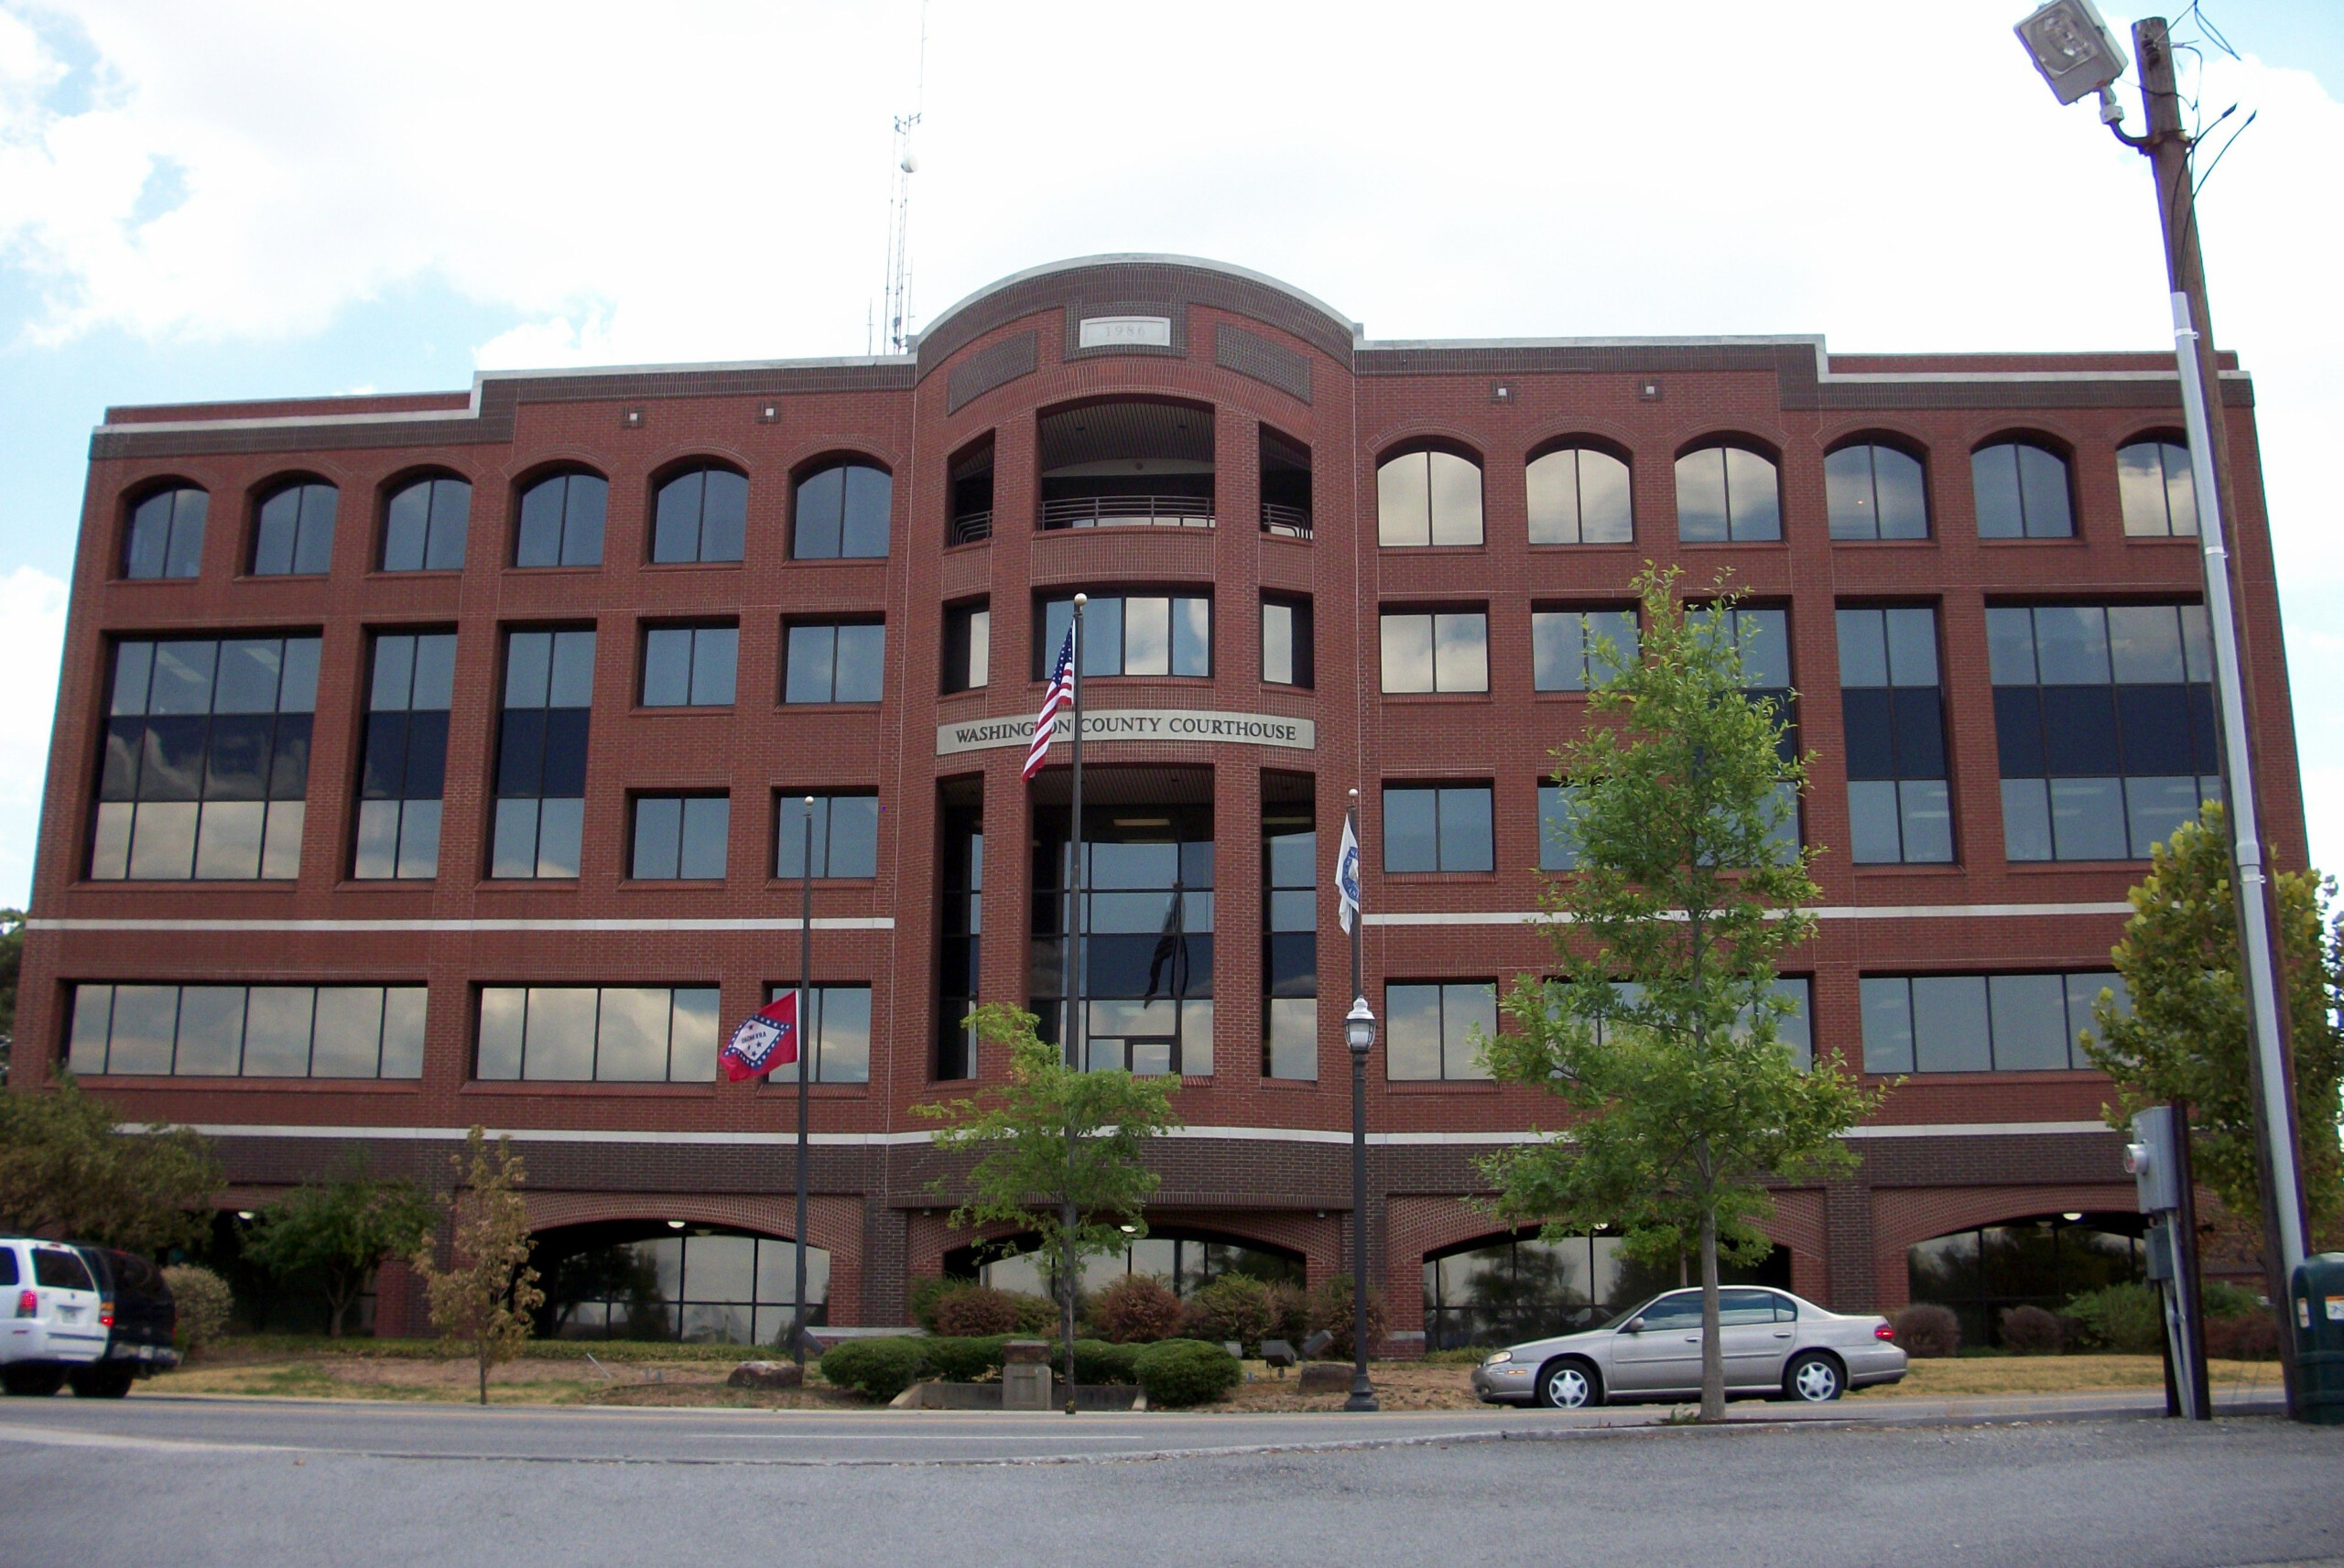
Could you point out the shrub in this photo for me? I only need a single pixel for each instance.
(203, 1303)
(1289, 1314)
(2031, 1331)
(2118, 1317)
(881, 1368)
(965, 1360)
(2250, 1337)
(1099, 1361)
(1235, 1306)
(978, 1311)
(1175, 1373)
(1036, 1314)
(2225, 1300)
(1330, 1307)
(1925, 1330)
(1136, 1309)
(928, 1294)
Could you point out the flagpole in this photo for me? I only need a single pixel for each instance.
(1078, 1028)
(805, 1049)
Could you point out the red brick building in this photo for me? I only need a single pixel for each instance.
(429, 761)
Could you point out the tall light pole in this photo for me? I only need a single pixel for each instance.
(2072, 48)
(1359, 1033)
(805, 1051)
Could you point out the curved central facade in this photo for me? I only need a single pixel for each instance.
(552, 667)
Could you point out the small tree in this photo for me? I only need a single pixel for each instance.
(484, 1298)
(2184, 1035)
(337, 1232)
(1662, 1030)
(68, 1171)
(1060, 1151)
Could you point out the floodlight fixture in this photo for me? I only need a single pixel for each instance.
(2073, 49)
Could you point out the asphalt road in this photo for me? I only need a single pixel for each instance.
(252, 1482)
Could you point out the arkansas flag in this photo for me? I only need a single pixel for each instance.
(766, 1039)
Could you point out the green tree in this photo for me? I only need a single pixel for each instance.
(68, 1171)
(1660, 1030)
(486, 1294)
(337, 1232)
(1058, 1151)
(2185, 1034)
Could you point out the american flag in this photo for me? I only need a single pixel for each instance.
(1061, 692)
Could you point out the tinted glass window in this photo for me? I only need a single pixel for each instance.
(294, 533)
(60, 1269)
(2158, 490)
(1579, 496)
(690, 666)
(834, 662)
(541, 753)
(425, 525)
(680, 837)
(561, 522)
(1443, 651)
(1429, 498)
(842, 512)
(845, 835)
(611, 1035)
(1430, 1031)
(1131, 636)
(7, 1265)
(701, 515)
(1875, 492)
(253, 1031)
(2022, 492)
(403, 772)
(166, 535)
(1680, 1311)
(1727, 494)
(1977, 1023)
(1574, 649)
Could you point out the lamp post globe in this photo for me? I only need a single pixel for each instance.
(1359, 1027)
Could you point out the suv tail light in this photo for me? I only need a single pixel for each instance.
(105, 1315)
(1884, 1331)
(27, 1304)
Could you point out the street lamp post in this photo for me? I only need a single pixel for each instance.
(1359, 1033)
(2073, 49)
(805, 1049)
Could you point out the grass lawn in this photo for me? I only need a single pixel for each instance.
(1964, 1377)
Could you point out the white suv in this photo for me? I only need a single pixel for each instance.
(50, 1319)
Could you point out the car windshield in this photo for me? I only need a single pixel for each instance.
(60, 1269)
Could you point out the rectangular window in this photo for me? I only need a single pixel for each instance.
(1899, 806)
(690, 666)
(1286, 642)
(834, 661)
(634, 1035)
(1131, 636)
(207, 760)
(1762, 638)
(2104, 720)
(1436, 652)
(1443, 827)
(1558, 845)
(841, 1030)
(846, 837)
(681, 838)
(1290, 936)
(1572, 650)
(1148, 942)
(541, 753)
(962, 879)
(401, 780)
(1429, 1030)
(1982, 1023)
(253, 1032)
(968, 645)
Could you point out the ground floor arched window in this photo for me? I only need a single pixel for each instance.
(1184, 1259)
(2040, 1261)
(652, 1278)
(1502, 1290)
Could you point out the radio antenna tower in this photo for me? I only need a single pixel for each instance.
(899, 254)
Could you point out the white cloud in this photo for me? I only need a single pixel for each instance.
(641, 184)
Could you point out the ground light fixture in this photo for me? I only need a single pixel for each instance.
(1359, 1033)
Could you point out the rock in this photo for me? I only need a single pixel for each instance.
(767, 1375)
(1324, 1377)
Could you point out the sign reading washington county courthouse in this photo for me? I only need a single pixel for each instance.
(1137, 724)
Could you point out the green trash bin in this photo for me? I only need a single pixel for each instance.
(2316, 1295)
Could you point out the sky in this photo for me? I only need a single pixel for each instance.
(242, 200)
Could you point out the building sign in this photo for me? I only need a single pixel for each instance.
(1125, 331)
(1140, 724)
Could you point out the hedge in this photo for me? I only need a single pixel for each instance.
(1178, 1372)
(881, 1368)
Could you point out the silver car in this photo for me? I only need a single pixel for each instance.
(1774, 1344)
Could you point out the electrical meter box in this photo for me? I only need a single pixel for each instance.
(2152, 1157)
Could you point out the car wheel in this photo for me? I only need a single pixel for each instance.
(1814, 1379)
(108, 1383)
(1569, 1385)
(34, 1382)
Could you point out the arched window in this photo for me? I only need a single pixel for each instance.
(1876, 491)
(425, 525)
(1428, 497)
(166, 537)
(702, 515)
(2159, 492)
(2022, 492)
(842, 513)
(647, 1280)
(1727, 494)
(294, 533)
(561, 520)
(1579, 495)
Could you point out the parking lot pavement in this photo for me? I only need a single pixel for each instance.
(248, 1482)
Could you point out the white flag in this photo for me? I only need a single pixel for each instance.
(1347, 876)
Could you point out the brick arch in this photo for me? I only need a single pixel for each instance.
(1905, 1216)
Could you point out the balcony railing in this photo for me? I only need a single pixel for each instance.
(1288, 522)
(1129, 512)
(971, 528)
